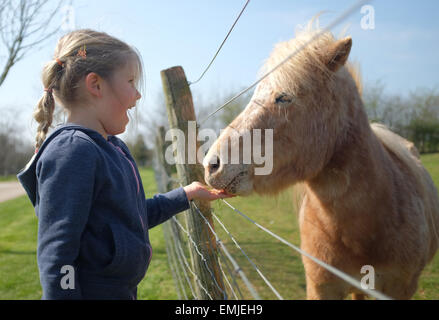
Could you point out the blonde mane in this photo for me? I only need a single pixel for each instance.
(355, 72)
(297, 67)
(294, 76)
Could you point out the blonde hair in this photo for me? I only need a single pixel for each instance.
(61, 76)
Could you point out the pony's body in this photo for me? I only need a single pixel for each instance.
(367, 199)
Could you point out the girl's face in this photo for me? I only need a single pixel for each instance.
(121, 95)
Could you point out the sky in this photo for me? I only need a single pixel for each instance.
(400, 52)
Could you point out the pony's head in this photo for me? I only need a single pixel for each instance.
(307, 102)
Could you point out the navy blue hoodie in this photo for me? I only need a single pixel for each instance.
(93, 218)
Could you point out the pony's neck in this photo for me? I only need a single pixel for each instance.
(351, 180)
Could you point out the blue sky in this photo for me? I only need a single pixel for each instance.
(401, 52)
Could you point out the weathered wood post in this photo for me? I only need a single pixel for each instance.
(181, 116)
(164, 165)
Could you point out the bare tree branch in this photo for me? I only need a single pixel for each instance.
(24, 25)
(2, 8)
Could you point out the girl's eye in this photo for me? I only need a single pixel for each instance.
(282, 98)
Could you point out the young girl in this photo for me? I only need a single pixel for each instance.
(93, 218)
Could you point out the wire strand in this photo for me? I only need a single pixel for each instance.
(268, 283)
(182, 257)
(194, 274)
(170, 254)
(328, 267)
(229, 256)
(232, 275)
(199, 253)
(220, 47)
(343, 16)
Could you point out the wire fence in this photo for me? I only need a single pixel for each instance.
(227, 259)
(226, 276)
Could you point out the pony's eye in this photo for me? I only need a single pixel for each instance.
(282, 98)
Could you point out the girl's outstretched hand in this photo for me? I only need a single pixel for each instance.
(199, 191)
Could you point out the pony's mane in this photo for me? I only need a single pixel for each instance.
(294, 76)
(355, 72)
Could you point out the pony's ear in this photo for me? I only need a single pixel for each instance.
(337, 54)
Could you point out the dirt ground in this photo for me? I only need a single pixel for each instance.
(10, 190)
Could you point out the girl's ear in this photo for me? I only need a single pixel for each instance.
(93, 84)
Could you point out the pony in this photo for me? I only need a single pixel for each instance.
(367, 200)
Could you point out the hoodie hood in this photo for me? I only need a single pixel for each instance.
(27, 176)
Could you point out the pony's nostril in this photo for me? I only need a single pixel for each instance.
(214, 165)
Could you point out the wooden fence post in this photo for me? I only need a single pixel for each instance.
(180, 108)
(165, 167)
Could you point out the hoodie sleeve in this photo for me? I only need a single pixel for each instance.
(66, 181)
(163, 206)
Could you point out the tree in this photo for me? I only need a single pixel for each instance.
(425, 134)
(224, 116)
(423, 128)
(24, 24)
(140, 151)
(415, 117)
(15, 152)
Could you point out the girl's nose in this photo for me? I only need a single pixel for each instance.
(138, 96)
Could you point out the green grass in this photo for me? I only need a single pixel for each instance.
(18, 233)
(429, 282)
(280, 264)
(8, 178)
(158, 283)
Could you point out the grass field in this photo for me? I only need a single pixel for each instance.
(283, 267)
